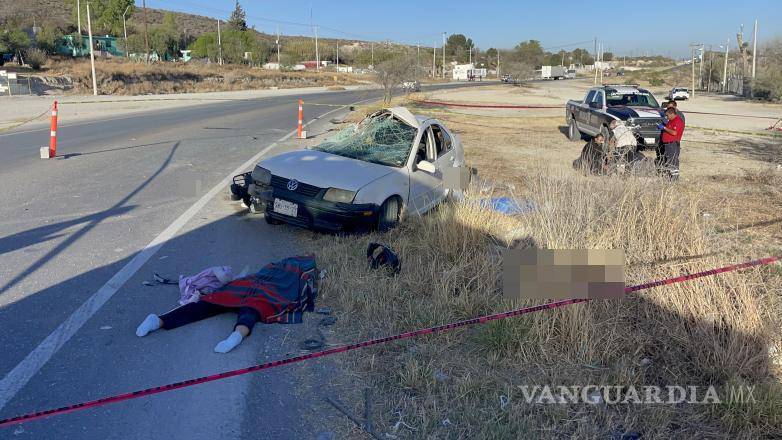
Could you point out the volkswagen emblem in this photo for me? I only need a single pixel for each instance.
(293, 184)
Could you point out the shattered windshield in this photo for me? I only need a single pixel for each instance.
(382, 140)
(631, 99)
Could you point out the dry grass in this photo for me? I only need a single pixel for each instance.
(119, 77)
(715, 331)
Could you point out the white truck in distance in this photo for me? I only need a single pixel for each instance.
(553, 72)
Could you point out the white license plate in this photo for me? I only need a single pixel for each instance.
(648, 141)
(285, 207)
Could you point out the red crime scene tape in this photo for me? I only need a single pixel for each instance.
(349, 347)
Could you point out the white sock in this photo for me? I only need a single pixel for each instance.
(150, 324)
(229, 343)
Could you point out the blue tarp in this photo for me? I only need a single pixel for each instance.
(508, 205)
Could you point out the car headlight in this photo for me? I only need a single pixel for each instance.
(262, 175)
(339, 195)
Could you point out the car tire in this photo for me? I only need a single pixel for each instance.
(388, 215)
(572, 130)
(271, 220)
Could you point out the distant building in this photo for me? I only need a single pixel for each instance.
(103, 46)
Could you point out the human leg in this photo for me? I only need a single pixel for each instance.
(190, 312)
(245, 321)
(672, 151)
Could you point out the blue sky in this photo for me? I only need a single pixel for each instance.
(664, 28)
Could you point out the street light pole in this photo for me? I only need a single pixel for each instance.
(78, 19)
(125, 30)
(434, 60)
(754, 48)
(92, 54)
(443, 55)
(146, 33)
(725, 72)
(219, 45)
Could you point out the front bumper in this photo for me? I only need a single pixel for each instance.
(312, 212)
(648, 137)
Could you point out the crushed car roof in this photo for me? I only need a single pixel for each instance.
(406, 116)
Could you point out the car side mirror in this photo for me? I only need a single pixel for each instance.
(426, 166)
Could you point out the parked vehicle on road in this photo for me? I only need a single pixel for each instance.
(370, 175)
(637, 106)
(553, 72)
(411, 86)
(570, 74)
(679, 93)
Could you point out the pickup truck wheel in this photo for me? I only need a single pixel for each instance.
(388, 216)
(572, 131)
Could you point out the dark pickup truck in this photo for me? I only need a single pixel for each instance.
(634, 105)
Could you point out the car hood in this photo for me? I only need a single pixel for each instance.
(624, 112)
(325, 170)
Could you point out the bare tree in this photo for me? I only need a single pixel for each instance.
(391, 73)
(519, 71)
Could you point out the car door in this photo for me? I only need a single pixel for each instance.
(595, 115)
(584, 111)
(426, 189)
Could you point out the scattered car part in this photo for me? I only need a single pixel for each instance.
(379, 255)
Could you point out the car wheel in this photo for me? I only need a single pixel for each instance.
(572, 131)
(388, 216)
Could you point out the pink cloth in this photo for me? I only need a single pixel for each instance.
(207, 281)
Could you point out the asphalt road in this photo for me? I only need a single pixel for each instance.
(79, 234)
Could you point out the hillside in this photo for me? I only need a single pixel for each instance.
(58, 13)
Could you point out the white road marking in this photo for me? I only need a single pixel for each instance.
(17, 378)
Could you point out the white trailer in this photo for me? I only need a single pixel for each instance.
(468, 72)
(553, 72)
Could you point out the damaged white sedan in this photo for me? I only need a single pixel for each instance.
(369, 175)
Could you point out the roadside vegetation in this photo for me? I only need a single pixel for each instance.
(721, 331)
(119, 77)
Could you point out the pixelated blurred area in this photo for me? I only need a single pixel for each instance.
(458, 178)
(556, 274)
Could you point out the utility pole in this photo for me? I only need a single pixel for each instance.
(125, 30)
(338, 56)
(219, 45)
(443, 55)
(434, 59)
(277, 41)
(78, 19)
(700, 68)
(725, 72)
(92, 54)
(754, 48)
(498, 63)
(711, 64)
(146, 33)
(317, 52)
(595, 62)
(417, 59)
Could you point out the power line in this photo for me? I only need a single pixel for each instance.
(567, 45)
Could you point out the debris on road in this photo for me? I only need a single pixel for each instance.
(379, 255)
